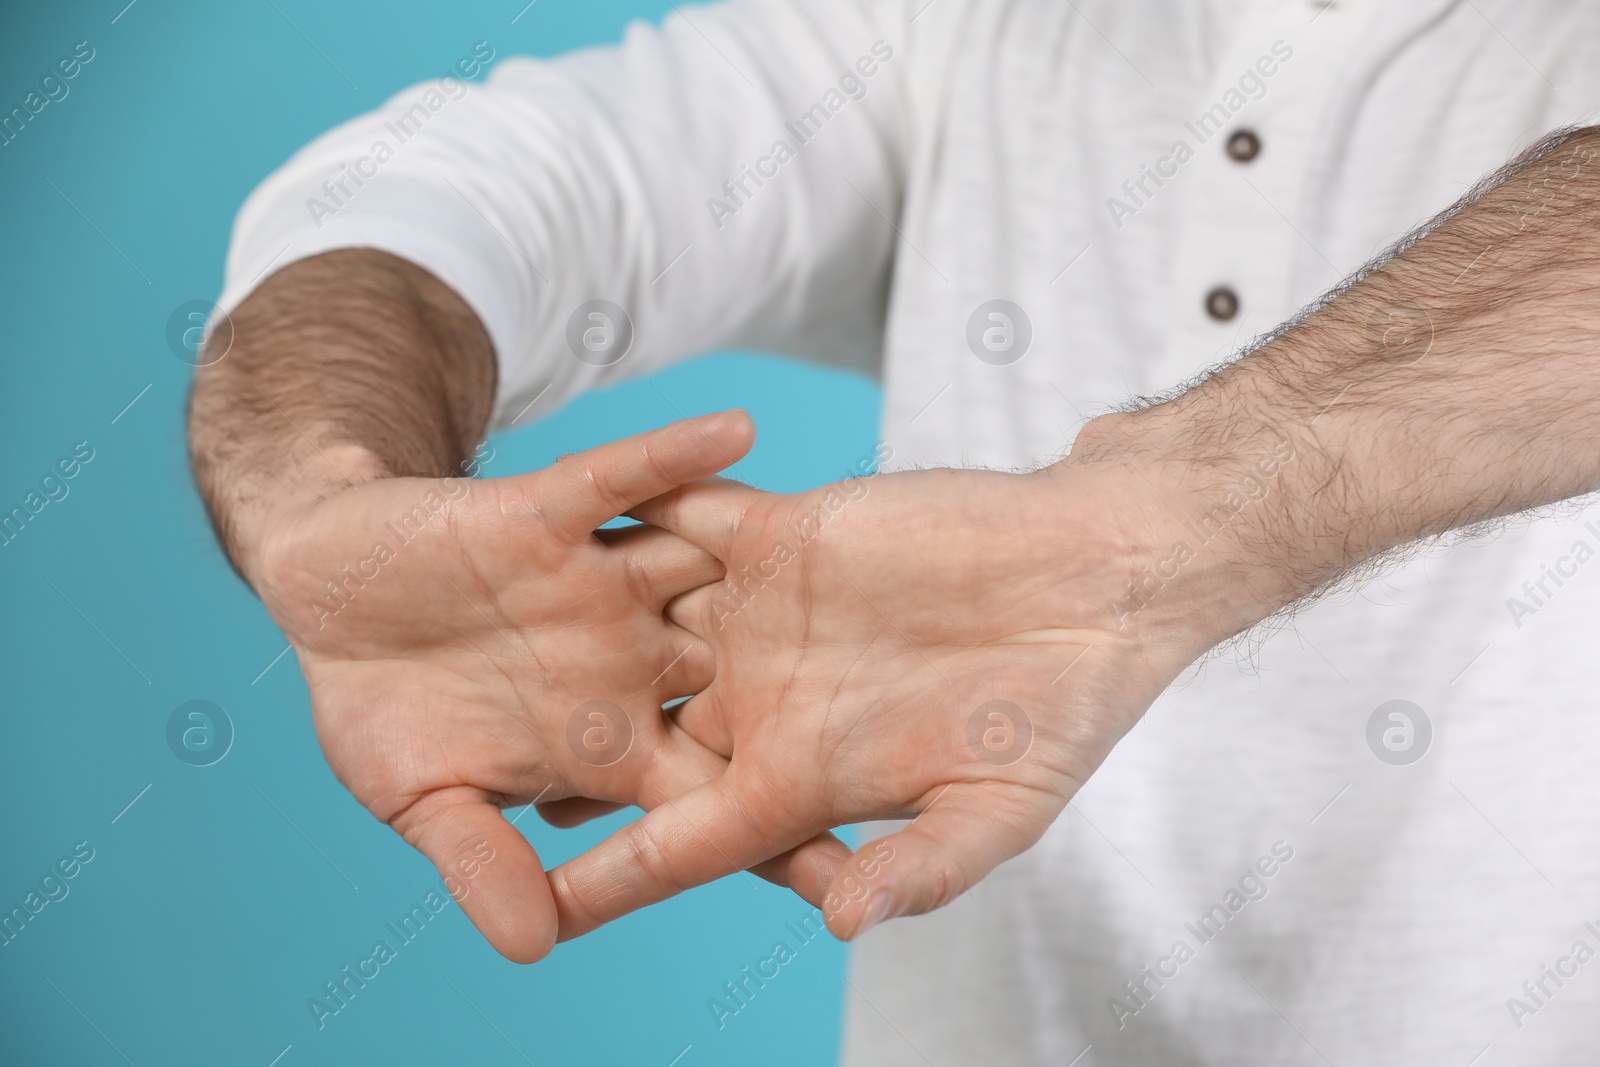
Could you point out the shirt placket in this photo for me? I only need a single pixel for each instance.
(1236, 232)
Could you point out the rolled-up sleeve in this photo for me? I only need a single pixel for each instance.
(725, 179)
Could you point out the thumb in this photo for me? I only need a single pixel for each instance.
(967, 831)
(488, 867)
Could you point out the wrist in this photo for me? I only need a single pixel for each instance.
(260, 507)
(1206, 510)
(342, 368)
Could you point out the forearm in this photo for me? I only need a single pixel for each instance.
(1453, 382)
(342, 368)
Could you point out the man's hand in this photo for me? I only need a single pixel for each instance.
(1451, 382)
(468, 644)
(951, 646)
(472, 645)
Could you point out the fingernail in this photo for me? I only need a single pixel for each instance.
(878, 909)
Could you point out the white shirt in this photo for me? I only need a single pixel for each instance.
(984, 158)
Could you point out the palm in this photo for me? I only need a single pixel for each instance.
(445, 669)
(892, 664)
(494, 650)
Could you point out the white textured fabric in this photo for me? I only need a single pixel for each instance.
(978, 163)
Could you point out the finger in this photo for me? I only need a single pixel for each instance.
(682, 764)
(957, 840)
(701, 718)
(693, 667)
(488, 867)
(575, 811)
(809, 869)
(695, 610)
(660, 565)
(581, 492)
(688, 841)
(706, 512)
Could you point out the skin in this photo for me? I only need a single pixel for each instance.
(1452, 383)
(452, 671)
(853, 685)
(964, 673)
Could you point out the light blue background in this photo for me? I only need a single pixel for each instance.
(208, 918)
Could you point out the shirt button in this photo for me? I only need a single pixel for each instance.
(1244, 146)
(1222, 303)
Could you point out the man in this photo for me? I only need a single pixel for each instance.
(1373, 848)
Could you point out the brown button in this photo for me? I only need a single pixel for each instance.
(1222, 303)
(1244, 145)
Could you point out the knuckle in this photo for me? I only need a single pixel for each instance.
(760, 794)
(655, 461)
(598, 485)
(637, 579)
(513, 499)
(586, 908)
(602, 483)
(414, 825)
(649, 854)
(438, 830)
(945, 886)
